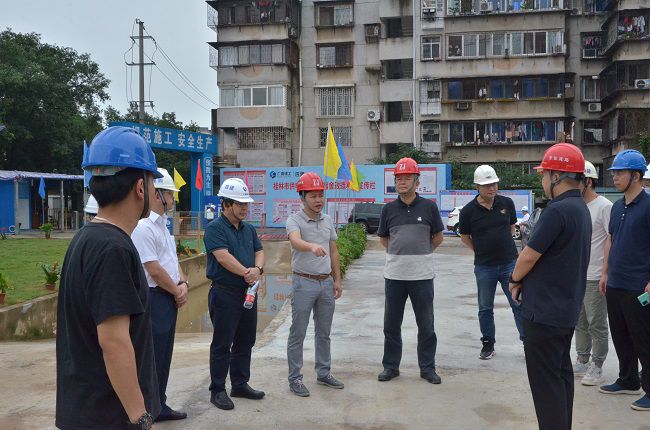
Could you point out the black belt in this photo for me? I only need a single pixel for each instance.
(310, 276)
(231, 288)
(158, 289)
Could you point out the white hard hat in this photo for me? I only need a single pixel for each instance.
(590, 170)
(647, 173)
(166, 182)
(91, 206)
(524, 208)
(484, 175)
(235, 189)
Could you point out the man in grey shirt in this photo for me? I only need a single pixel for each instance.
(316, 282)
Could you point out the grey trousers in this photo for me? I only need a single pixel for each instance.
(592, 333)
(310, 294)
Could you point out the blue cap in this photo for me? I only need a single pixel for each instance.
(629, 159)
(118, 148)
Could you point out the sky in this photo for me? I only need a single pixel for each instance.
(103, 30)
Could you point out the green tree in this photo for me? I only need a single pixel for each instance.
(49, 102)
(511, 176)
(404, 150)
(644, 145)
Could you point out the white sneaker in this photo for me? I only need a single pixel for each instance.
(579, 369)
(593, 376)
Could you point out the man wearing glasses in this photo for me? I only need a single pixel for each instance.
(235, 260)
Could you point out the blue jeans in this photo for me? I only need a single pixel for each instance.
(421, 295)
(486, 283)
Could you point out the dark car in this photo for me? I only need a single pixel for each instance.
(366, 215)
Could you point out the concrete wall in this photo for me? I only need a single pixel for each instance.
(254, 116)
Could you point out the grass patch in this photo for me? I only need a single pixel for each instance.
(19, 261)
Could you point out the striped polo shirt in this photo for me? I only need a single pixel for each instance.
(409, 229)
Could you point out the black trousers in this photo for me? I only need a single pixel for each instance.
(233, 337)
(550, 373)
(629, 324)
(163, 328)
(421, 294)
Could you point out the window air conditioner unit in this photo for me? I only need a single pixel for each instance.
(372, 31)
(487, 6)
(428, 12)
(642, 84)
(594, 107)
(463, 105)
(558, 49)
(577, 11)
(373, 115)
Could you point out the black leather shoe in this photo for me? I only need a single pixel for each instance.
(245, 391)
(168, 414)
(388, 374)
(221, 400)
(431, 376)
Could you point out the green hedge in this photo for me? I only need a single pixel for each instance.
(351, 244)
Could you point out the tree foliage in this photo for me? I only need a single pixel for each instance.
(644, 145)
(511, 176)
(49, 103)
(404, 150)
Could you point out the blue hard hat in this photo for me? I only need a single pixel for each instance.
(120, 148)
(629, 159)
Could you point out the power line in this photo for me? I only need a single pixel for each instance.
(180, 73)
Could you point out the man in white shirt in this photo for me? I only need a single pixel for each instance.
(167, 283)
(524, 228)
(592, 333)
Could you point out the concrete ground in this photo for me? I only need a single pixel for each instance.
(474, 394)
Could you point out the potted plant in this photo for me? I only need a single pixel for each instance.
(47, 229)
(51, 275)
(4, 287)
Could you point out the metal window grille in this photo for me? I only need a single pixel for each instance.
(430, 132)
(335, 55)
(430, 47)
(334, 101)
(263, 138)
(342, 135)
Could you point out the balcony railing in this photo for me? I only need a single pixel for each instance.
(481, 7)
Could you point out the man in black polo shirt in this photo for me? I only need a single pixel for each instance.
(626, 275)
(235, 260)
(550, 279)
(486, 227)
(410, 229)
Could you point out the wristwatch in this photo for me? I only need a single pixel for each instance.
(184, 282)
(145, 422)
(512, 281)
(261, 269)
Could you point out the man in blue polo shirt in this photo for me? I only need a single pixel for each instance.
(410, 229)
(626, 275)
(549, 280)
(235, 260)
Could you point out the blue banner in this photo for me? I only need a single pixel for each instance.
(173, 139)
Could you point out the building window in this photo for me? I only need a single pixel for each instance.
(263, 138)
(592, 132)
(430, 8)
(245, 55)
(503, 132)
(334, 16)
(253, 96)
(342, 135)
(399, 27)
(592, 6)
(372, 32)
(506, 88)
(499, 44)
(592, 45)
(430, 47)
(398, 69)
(430, 132)
(334, 101)
(398, 111)
(430, 97)
(590, 89)
(339, 55)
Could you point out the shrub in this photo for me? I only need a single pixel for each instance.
(51, 272)
(351, 244)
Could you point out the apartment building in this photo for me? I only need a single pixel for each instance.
(470, 80)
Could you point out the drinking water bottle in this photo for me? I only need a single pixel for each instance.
(250, 295)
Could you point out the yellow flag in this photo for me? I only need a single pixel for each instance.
(178, 183)
(354, 183)
(332, 161)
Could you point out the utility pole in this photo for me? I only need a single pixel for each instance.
(141, 63)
